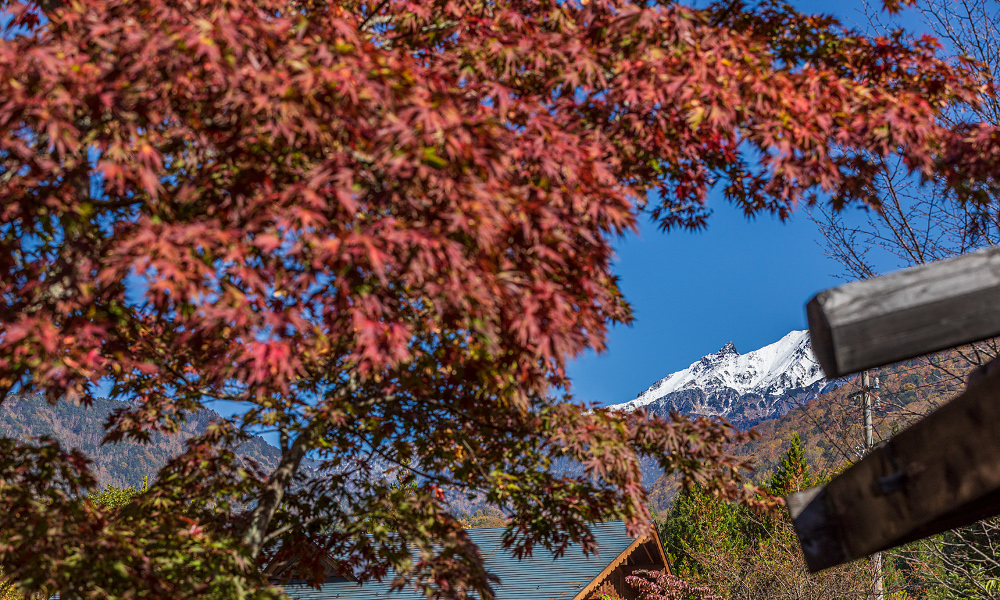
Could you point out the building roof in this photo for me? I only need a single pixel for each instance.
(536, 577)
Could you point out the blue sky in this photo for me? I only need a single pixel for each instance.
(738, 280)
(741, 281)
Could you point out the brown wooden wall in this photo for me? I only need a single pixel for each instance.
(645, 557)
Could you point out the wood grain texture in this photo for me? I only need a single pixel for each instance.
(908, 313)
(942, 472)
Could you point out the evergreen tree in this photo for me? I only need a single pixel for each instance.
(792, 474)
(742, 555)
(697, 522)
(115, 497)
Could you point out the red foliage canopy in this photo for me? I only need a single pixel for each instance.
(384, 226)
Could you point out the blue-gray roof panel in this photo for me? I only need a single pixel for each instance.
(535, 577)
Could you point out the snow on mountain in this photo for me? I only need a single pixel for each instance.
(743, 388)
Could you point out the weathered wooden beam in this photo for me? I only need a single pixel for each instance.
(908, 313)
(942, 472)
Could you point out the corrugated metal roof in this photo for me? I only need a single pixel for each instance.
(536, 577)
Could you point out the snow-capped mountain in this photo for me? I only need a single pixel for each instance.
(743, 388)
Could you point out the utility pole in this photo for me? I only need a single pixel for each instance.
(866, 396)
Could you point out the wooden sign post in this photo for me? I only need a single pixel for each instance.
(942, 472)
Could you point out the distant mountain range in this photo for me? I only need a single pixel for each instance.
(765, 389)
(745, 389)
(24, 416)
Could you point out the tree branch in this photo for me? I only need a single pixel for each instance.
(274, 491)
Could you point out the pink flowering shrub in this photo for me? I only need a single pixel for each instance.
(656, 585)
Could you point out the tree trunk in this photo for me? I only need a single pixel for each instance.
(274, 492)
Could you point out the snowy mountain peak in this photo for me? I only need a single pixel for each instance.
(742, 387)
(729, 348)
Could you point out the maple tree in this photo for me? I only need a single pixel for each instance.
(383, 228)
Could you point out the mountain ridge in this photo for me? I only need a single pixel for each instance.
(745, 389)
(27, 416)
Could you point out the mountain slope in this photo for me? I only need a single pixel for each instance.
(830, 425)
(26, 416)
(743, 388)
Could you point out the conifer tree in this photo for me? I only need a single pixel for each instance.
(792, 474)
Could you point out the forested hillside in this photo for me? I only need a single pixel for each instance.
(830, 426)
(123, 464)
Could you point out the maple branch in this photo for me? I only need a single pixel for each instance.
(461, 414)
(426, 29)
(277, 533)
(114, 204)
(374, 12)
(475, 460)
(426, 475)
(274, 492)
(291, 457)
(283, 438)
(48, 6)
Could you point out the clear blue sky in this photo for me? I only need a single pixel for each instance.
(740, 281)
